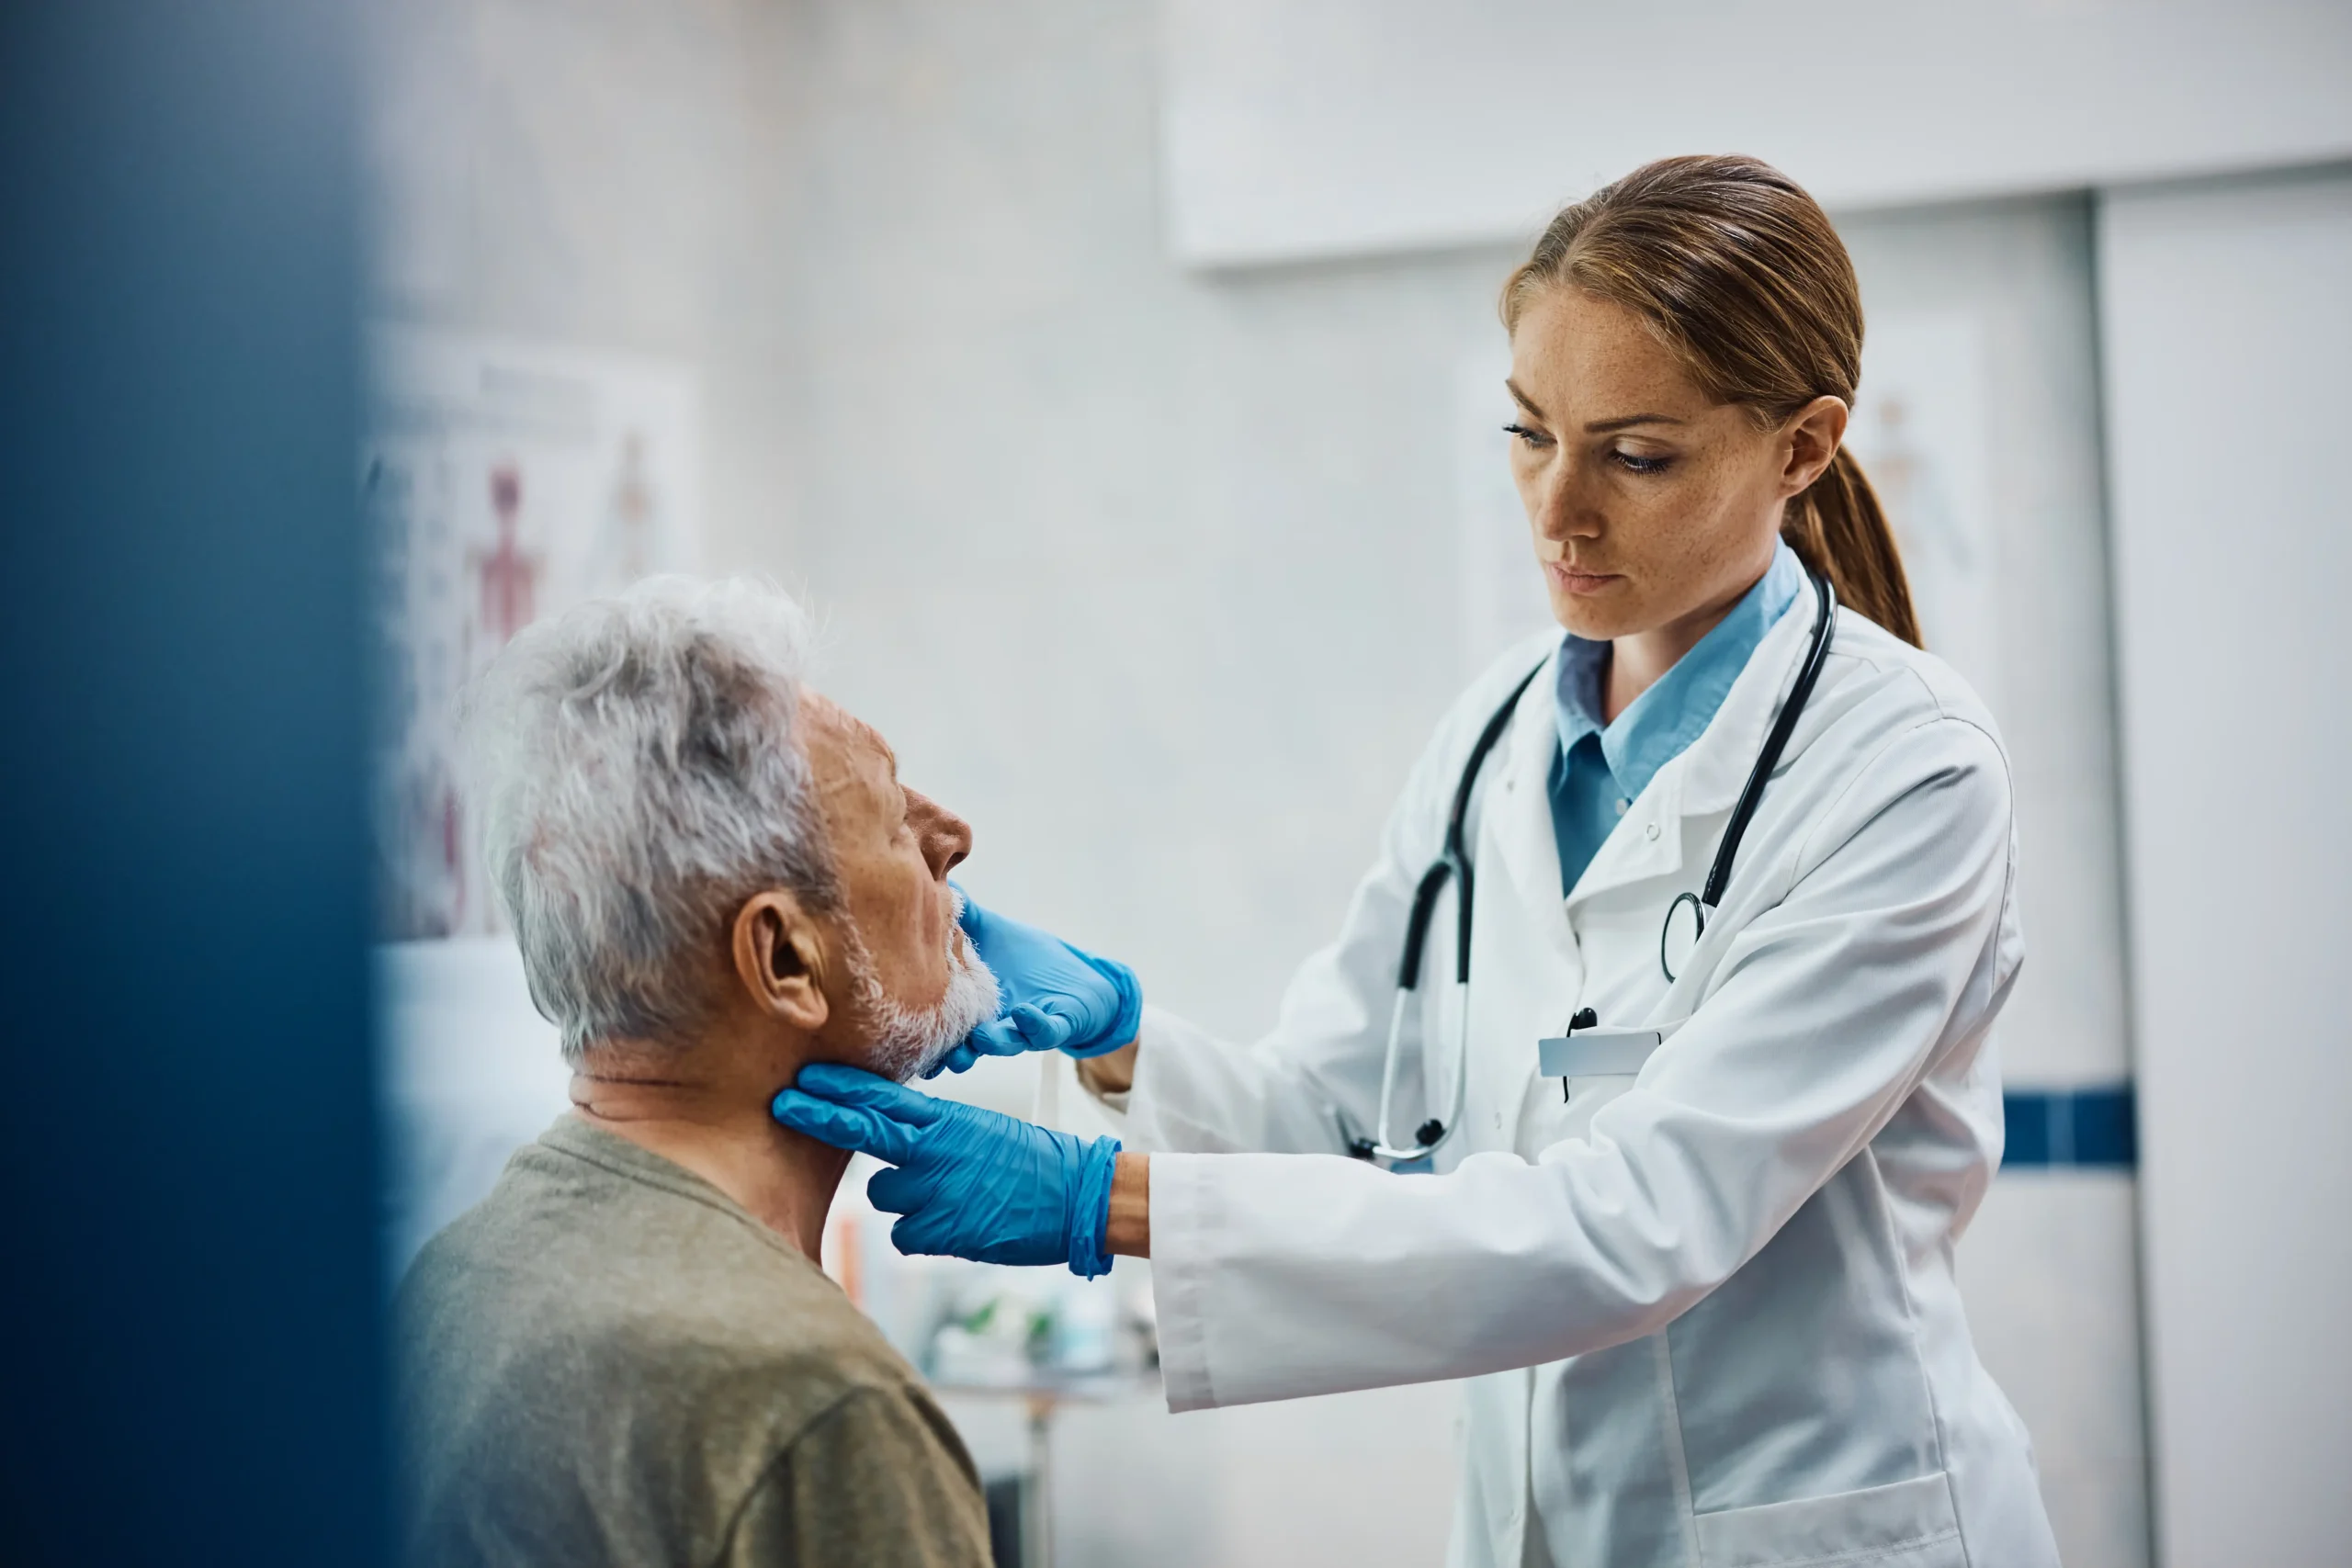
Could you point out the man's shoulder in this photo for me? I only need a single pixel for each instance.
(582, 1333)
(659, 1291)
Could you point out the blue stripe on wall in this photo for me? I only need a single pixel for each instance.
(2092, 1126)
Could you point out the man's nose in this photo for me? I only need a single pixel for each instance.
(945, 838)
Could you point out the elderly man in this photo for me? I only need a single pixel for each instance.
(627, 1353)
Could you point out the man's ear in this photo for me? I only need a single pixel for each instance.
(780, 960)
(1812, 435)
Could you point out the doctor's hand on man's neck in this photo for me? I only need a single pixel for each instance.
(703, 1106)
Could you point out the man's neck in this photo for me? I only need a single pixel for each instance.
(715, 1123)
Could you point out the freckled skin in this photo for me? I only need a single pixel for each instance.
(1648, 560)
(893, 849)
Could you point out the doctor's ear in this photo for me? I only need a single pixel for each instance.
(1809, 441)
(780, 959)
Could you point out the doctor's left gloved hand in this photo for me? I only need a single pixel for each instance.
(1053, 997)
(972, 1183)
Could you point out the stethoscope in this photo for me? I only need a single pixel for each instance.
(1453, 864)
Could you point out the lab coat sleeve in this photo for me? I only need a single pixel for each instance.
(1292, 1091)
(1280, 1277)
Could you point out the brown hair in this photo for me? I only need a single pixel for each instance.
(1740, 274)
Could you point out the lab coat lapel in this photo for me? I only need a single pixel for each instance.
(1645, 843)
(1516, 829)
(1707, 777)
(1524, 961)
(1718, 762)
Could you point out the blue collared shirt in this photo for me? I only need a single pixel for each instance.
(1600, 768)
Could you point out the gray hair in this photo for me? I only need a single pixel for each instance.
(638, 772)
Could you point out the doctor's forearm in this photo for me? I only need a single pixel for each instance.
(1127, 1228)
(1114, 1072)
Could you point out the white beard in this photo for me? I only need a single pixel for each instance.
(908, 1042)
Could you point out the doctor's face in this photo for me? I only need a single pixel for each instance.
(1653, 508)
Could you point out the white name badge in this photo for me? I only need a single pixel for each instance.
(1596, 1053)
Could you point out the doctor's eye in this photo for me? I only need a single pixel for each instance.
(1532, 437)
(1634, 462)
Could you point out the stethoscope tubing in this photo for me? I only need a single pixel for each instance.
(1453, 865)
(1767, 760)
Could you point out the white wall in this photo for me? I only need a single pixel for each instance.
(1301, 128)
(2228, 327)
(2050, 1269)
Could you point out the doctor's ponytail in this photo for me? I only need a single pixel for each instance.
(1739, 271)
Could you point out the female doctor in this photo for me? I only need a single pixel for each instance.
(1714, 1099)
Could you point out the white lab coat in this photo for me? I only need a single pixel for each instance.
(1708, 1312)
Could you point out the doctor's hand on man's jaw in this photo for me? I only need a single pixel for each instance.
(1054, 997)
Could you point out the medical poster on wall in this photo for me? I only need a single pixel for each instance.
(1919, 430)
(503, 482)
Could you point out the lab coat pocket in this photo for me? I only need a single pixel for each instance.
(1582, 1099)
(1906, 1524)
(1595, 1067)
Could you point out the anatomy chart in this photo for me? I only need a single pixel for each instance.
(1919, 429)
(502, 482)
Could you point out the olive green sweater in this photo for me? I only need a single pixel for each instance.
(608, 1360)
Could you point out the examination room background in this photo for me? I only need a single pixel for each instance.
(1154, 516)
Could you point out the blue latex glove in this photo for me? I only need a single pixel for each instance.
(971, 1183)
(1052, 996)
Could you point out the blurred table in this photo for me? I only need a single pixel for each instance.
(1042, 1396)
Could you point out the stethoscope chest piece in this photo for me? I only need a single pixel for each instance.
(1678, 937)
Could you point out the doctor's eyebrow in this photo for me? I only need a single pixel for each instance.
(1594, 427)
(1604, 426)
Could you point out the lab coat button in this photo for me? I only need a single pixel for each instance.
(1652, 830)
(1621, 806)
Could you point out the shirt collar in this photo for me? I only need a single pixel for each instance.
(1656, 725)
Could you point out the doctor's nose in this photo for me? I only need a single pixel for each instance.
(1562, 511)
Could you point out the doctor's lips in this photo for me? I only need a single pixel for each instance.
(1576, 580)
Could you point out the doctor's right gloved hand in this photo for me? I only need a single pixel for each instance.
(1053, 997)
(971, 1182)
